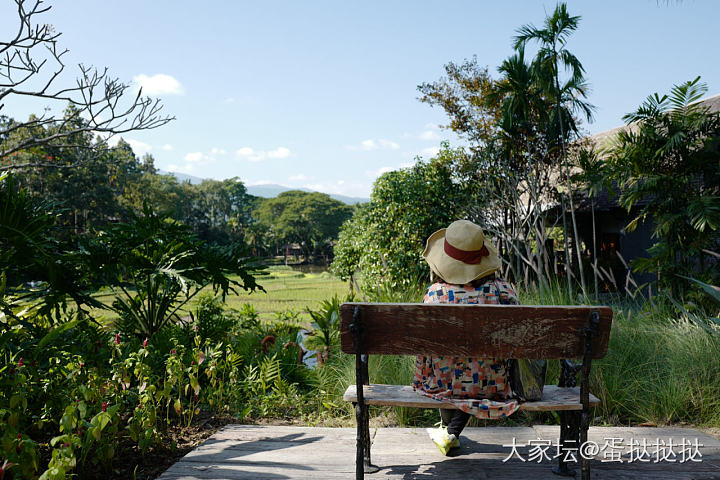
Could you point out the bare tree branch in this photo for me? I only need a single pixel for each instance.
(31, 65)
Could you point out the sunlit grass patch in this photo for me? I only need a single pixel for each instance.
(290, 292)
(285, 289)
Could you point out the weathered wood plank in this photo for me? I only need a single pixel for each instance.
(283, 452)
(554, 398)
(499, 331)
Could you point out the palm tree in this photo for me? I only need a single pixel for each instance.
(666, 165)
(523, 112)
(567, 96)
(516, 93)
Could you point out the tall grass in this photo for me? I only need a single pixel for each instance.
(661, 367)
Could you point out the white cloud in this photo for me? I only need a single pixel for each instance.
(430, 151)
(198, 158)
(429, 135)
(159, 84)
(370, 144)
(192, 160)
(167, 147)
(217, 151)
(139, 148)
(280, 152)
(379, 171)
(229, 100)
(245, 152)
(260, 155)
(113, 140)
(298, 178)
(194, 157)
(340, 187)
(188, 168)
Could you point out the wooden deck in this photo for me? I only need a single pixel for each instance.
(269, 452)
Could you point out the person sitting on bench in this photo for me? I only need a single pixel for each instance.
(463, 265)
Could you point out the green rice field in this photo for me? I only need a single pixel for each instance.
(285, 289)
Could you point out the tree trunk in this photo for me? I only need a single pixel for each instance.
(567, 181)
(592, 210)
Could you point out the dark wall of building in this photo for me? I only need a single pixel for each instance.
(611, 239)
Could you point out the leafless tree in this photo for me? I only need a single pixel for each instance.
(31, 65)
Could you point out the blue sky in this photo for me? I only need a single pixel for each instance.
(323, 94)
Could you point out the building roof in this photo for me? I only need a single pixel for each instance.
(602, 139)
(604, 201)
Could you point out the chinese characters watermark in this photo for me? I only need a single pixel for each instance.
(612, 449)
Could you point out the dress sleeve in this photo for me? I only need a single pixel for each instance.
(432, 295)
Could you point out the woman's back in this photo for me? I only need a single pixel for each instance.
(467, 261)
(478, 386)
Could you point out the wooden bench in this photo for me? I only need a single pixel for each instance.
(497, 331)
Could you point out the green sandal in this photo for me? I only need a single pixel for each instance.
(443, 440)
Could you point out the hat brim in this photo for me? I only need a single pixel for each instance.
(455, 271)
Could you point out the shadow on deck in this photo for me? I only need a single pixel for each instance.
(278, 452)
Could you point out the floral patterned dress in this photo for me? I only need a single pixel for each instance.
(478, 386)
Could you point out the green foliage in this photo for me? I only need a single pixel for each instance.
(667, 166)
(155, 266)
(30, 252)
(112, 184)
(463, 94)
(325, 334)
(249, 317)
(661, 367)
(711, 290)
(385, 239)
(552, 58)
(309, 219)
(79, 389)
(212, 321)
(351, 244)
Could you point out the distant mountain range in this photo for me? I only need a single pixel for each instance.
(269, 190)
(183, 177)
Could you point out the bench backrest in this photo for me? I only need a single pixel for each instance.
(498, 331)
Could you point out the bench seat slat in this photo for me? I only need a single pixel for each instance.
(554, 398)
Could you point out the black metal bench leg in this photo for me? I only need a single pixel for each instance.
(584, 427)
(360, 443)
(569, 441)
(367, 443)
(364, 442)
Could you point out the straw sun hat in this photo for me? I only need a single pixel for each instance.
(460, 253)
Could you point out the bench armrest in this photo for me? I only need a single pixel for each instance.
(568, 373)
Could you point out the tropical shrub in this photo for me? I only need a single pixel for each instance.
(155, 266)
(667, 165)
(212, 320)
(325, 334)
(384, 240)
